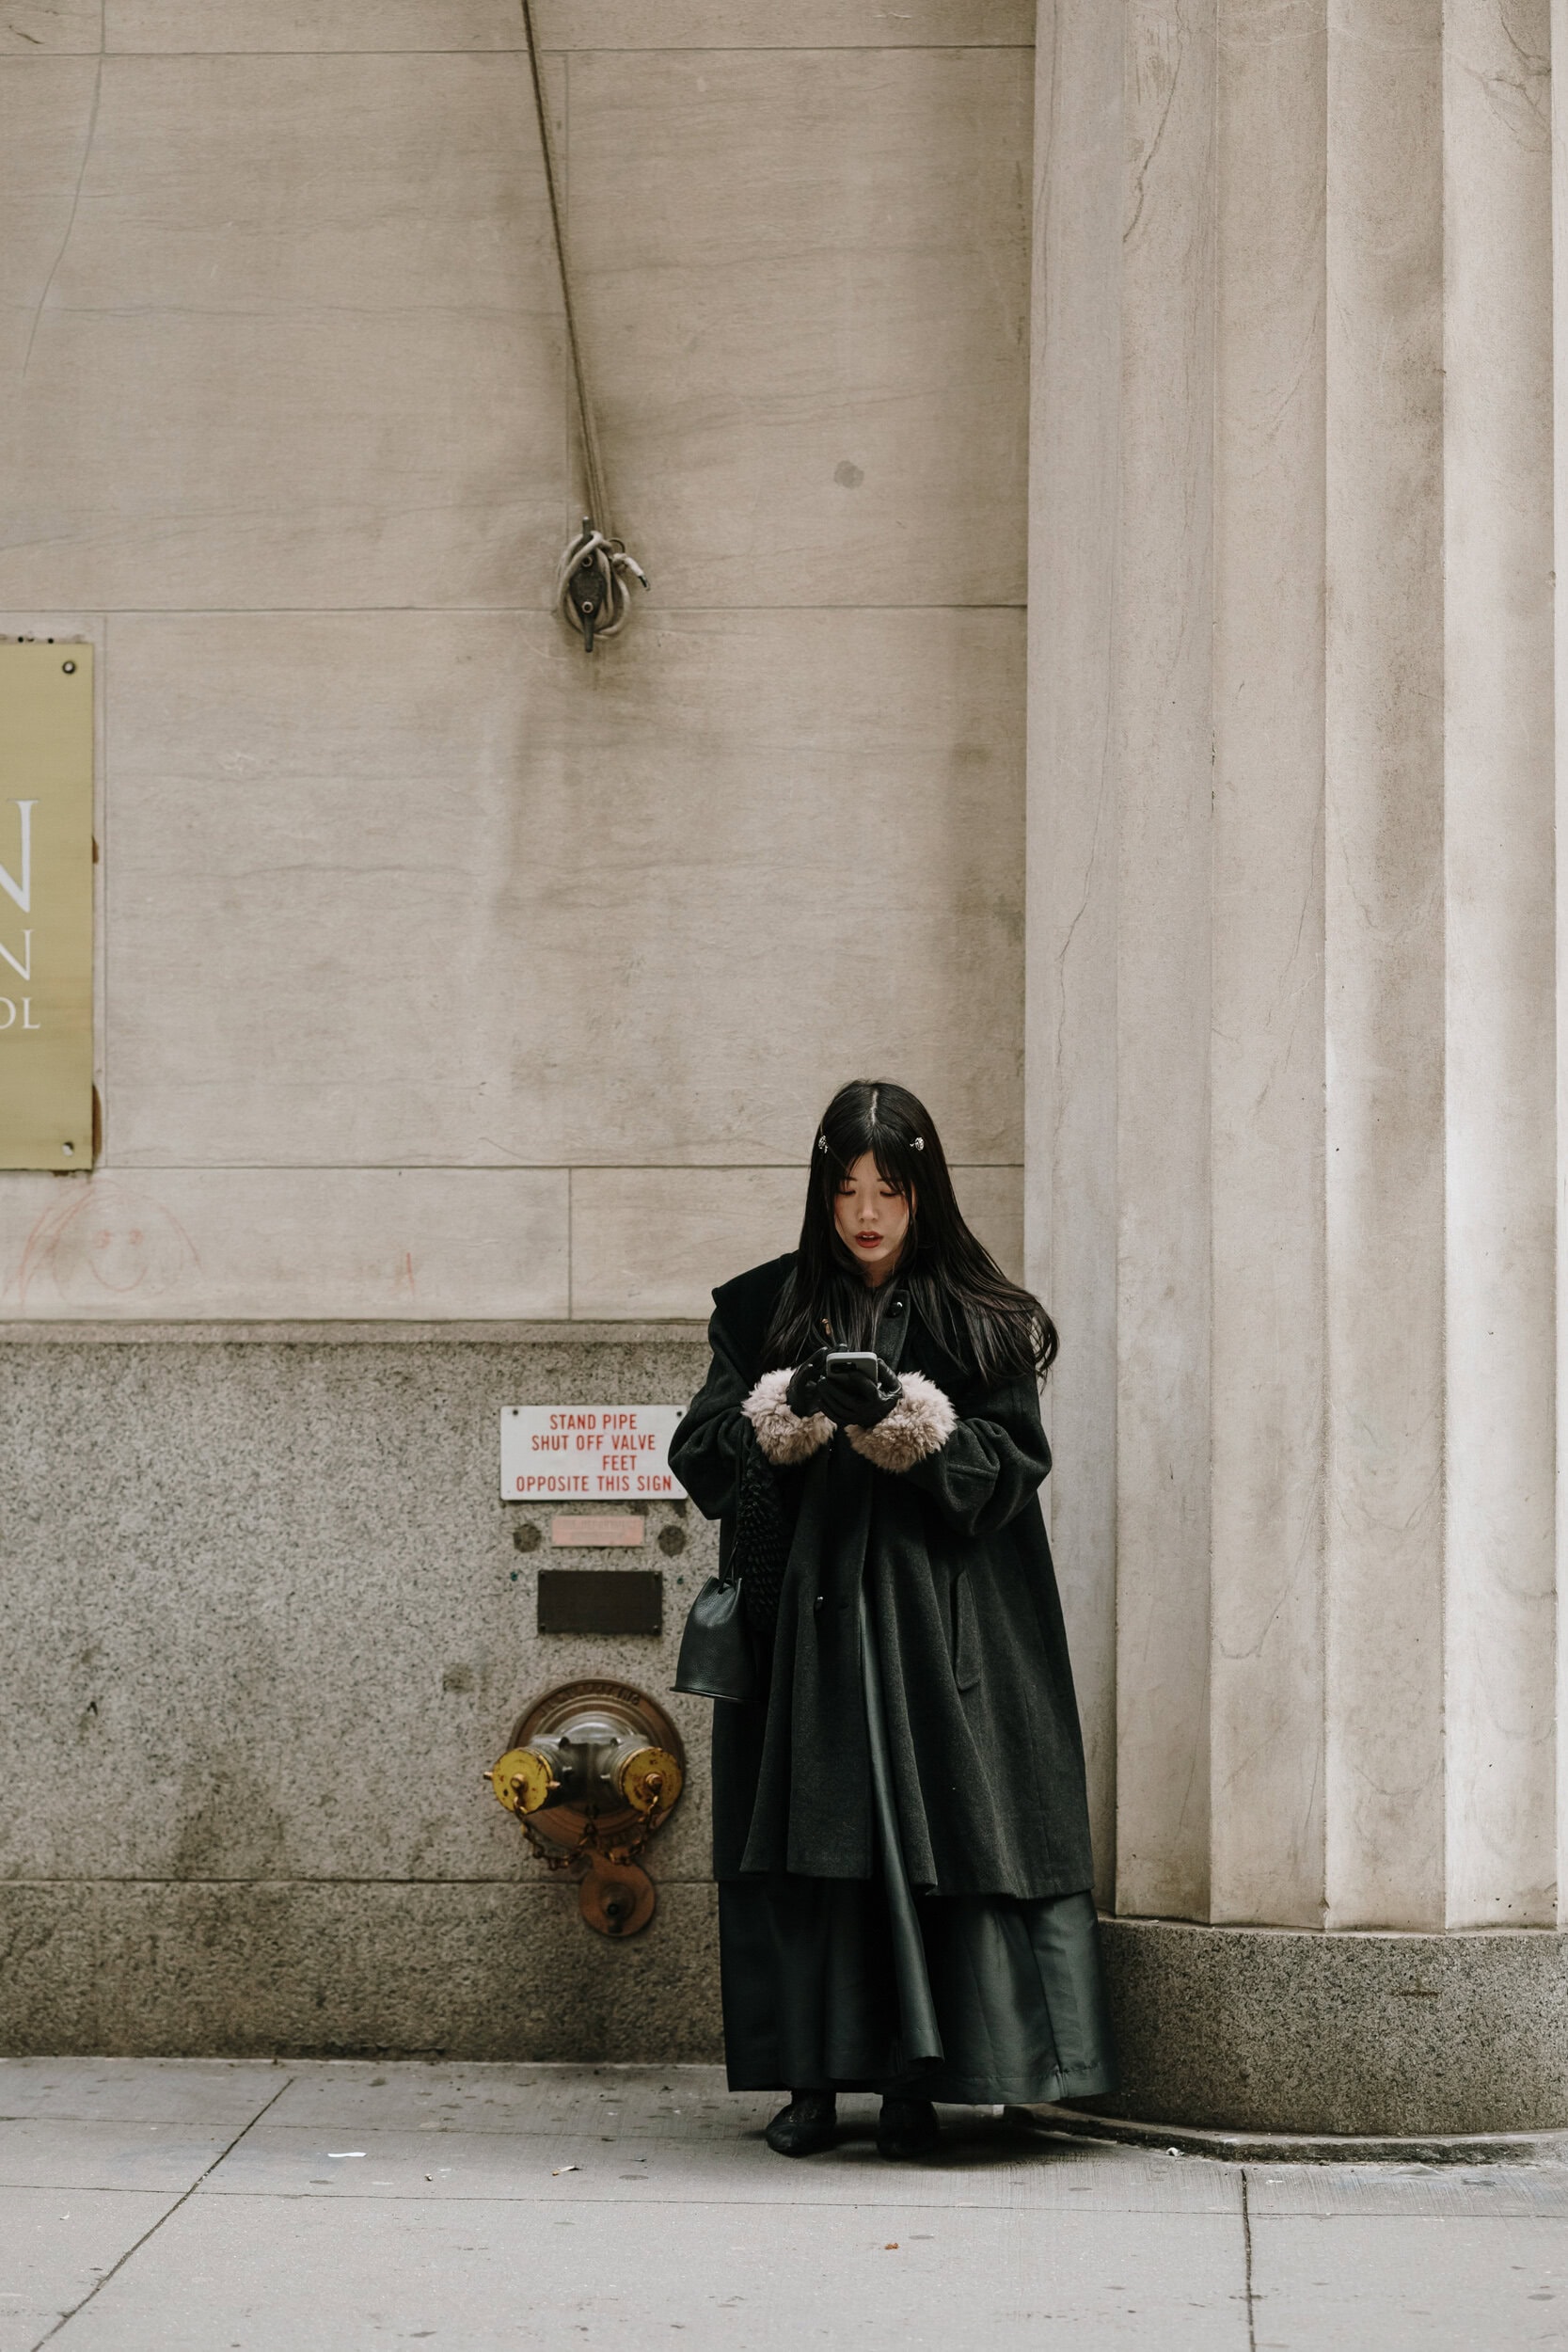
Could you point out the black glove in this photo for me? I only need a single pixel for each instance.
(859, 1396)
(803, 1394)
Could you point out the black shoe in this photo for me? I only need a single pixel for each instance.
(907, 2127)
(808, 2123)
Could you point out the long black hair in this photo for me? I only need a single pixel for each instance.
(952, 1279)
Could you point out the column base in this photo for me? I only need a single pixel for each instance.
(1391, 2037)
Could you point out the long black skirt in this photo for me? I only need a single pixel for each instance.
(861, 1984)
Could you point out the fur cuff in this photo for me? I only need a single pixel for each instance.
(783, 1436)
(922, 1421)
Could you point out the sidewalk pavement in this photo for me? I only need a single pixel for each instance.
(201, 2205)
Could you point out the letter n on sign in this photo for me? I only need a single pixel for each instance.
(46, 905)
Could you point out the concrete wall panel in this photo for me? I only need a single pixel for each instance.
(808, 24)
(663, 1237)
(46, 105)
(306, 25)
(58, 28)
(332, 1244)
(288, 337)
(498, 907)
(810, 329)
(174, 27)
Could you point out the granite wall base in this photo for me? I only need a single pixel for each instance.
(265, 1621)
(340, 1971)
(1278, 2029)
(265, 1618)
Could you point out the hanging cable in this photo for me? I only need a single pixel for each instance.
(591, 582)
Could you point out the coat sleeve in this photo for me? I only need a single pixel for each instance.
(706, 1450)
(731, 1413)
(980, 1467)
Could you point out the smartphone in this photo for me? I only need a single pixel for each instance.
(852, 1359)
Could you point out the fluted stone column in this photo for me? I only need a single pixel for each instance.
(1293, 1146)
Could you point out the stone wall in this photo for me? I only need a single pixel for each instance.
(450, 983)
(429, 948)
(266, 1620)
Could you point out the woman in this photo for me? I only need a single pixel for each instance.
(900, 1833)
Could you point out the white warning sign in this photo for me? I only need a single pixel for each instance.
(597, 1452)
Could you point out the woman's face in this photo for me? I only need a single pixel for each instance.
(872, 1217)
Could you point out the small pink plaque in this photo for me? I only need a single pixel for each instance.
(579, 1527)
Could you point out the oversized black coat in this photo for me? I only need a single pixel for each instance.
(988, 1762)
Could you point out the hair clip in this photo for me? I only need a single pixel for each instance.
(920, 1143)
(821, 1143)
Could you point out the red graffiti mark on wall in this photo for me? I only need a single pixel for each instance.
(107, 1241)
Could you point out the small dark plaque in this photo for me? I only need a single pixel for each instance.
(601, 1601)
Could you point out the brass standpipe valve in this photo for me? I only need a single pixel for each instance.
(522, 1780)
(592, 1772)
(650, 1780)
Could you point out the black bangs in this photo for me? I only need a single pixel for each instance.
(960, 1291)
(844, 1139)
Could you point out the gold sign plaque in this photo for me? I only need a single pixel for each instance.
(45, 906)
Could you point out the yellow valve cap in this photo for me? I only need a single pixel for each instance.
(522, 1780)
(650, 1780)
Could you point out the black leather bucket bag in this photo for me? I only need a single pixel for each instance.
(715, 1659)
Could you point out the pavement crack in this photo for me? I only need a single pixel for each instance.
(115, 2268)
(1246, 2244)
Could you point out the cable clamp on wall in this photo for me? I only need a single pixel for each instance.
(591, 587)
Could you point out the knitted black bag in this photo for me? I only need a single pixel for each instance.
(762, 1540)
(734, 1609)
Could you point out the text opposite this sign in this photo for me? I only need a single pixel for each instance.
(595, 1452)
